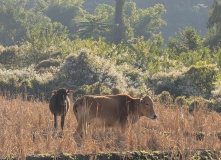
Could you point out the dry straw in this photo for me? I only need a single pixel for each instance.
(26, 127)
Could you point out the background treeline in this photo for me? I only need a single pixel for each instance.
(171, 46)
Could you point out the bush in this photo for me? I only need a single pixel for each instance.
(198, 81)
(200, 103)
(217, 105)
(48, 63)
(181, 101)
(85, 68)
(9, 57)
(115, 90)
(165, 98)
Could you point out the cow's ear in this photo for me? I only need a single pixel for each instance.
(70, 91)
(54, 92)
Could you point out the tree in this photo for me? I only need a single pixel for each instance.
(187, 39)
(68, 13)
(214, 24)
(95, 28)
(148, 21)
(12, 27)
(120, 28)
(44, 41)
(105, 10)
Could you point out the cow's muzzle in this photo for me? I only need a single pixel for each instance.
(154, 116)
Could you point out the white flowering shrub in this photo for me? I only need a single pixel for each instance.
(86, 68)
(163, 81)
(14, 80)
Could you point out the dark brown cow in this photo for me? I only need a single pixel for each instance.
(59, 104)
(111, 111)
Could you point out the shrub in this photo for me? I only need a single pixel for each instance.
(115, 90)
(200, 102)
(198, 81)
(163, 81)
(217, 105)
(85, 68)
(181, 101)
(9, 57)
(165, 98)
(48, 63)
(83, 90)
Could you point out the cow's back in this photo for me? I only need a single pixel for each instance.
(127, 104)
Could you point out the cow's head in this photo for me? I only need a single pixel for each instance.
(62, 95)
(146, 108)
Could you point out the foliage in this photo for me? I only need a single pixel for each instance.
(9, 57)
(85, 68)
(200, 79)
(200, 103)
(181, 101)
(217, 105)
(214, 21)
(68, 13)
(44, 41)
(12, 24)
(95, 28)
(165, 98)
(187, 39)
(48, 63)
(147, 22)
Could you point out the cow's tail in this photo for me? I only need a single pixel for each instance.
(75, 108)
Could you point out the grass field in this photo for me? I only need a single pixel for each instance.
(26, 127)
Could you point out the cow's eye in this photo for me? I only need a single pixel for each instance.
(147, 104)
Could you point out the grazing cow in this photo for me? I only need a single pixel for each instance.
(111, 111)
(59, 104)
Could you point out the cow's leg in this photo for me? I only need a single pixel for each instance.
(55, 121)
(78, 134)
(79, 129)
(62, 121)
(123, 126)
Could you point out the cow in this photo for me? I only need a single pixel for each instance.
(59, 104)
(111, 111)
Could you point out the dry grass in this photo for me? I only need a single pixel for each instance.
(27, 128)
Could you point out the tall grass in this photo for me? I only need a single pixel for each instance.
(26, 127)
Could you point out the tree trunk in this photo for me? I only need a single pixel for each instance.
(120, 28)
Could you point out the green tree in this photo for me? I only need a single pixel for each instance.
(214, 24)
(95, 28)
(45, 40)
(103, 10)
(146, 22)
(12, 27)
(15, 19)
(187, 39)
(68, 13)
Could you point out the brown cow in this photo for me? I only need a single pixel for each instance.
(111, 111)
(59, 104)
